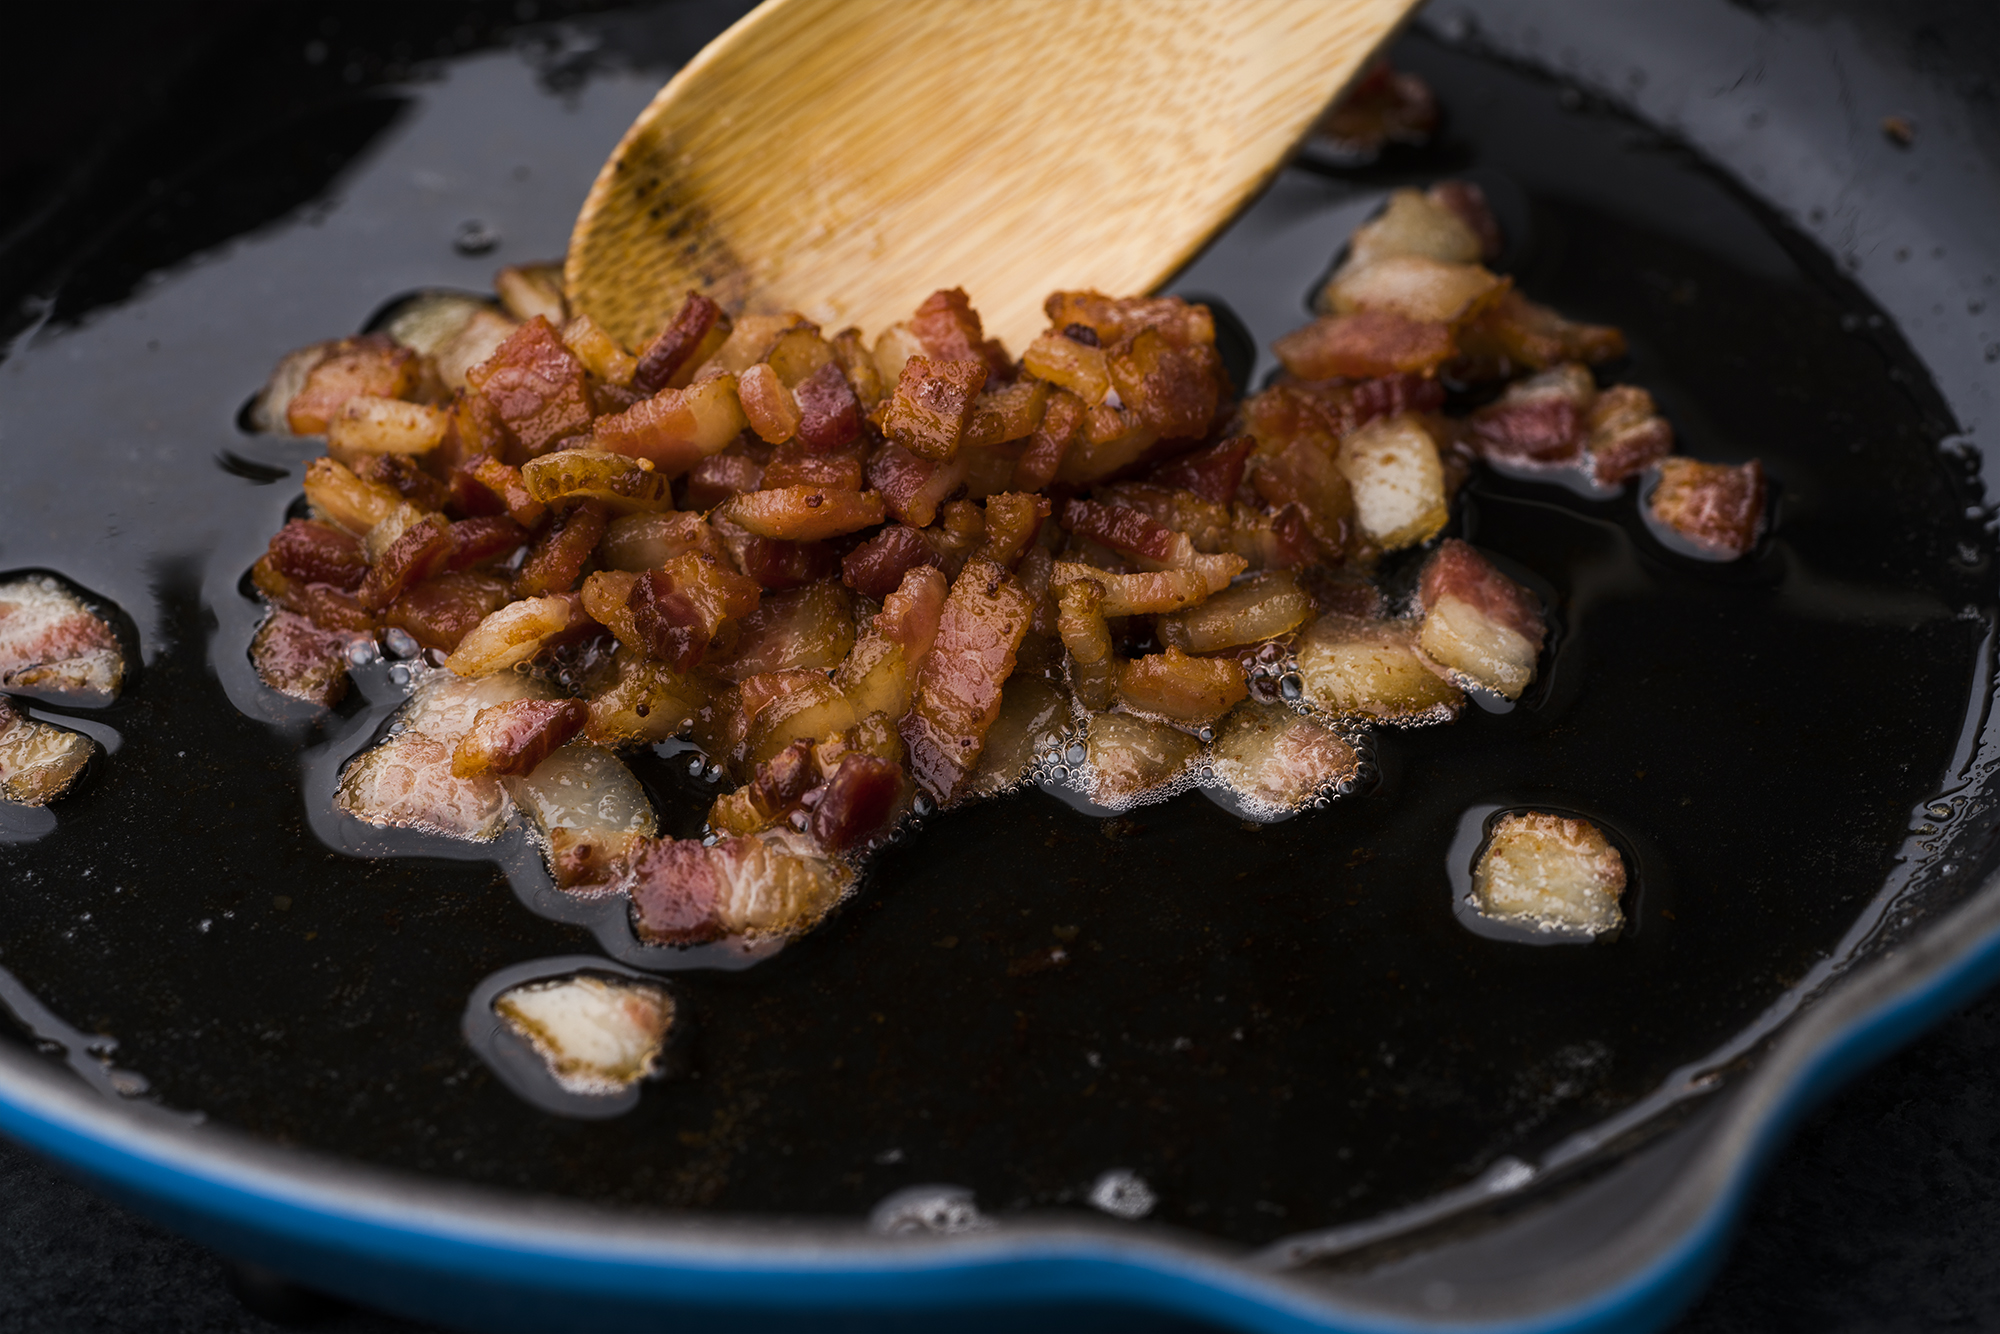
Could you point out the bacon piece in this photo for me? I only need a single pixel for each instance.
(1369, 668)
(596, 1035)
(911, 487)
(928, 413)
(958, 682)
(804, 513)
(1148, 594)
(38, 761)
(676, 889)
(696, 333)
(1414, 223)
(1539, 420)
(1516, 333)
(1626, 434)
(1262, 607)
(514, 737)
(778, 565)
(910, 615)
(877, 566)
(317, 553)
(1172, 388)
(1113, 318)
(370, 364)
(511, 634)
(1062, 422)
(809, 627)
(1006, 414)
(1075, 364)
(791, 465)
(646, 541)
(440, 612)
(1364, 344)
(1551, 872)
(1417, 288)
(645, 702)
(503, 482)
(677, 428)
(323, 605)
(1478, 623)
(1130, 757)
(372, 424)
(623, 485)
(417, 553)
(1213, 473)
(859, 799)
(1384, 106)
(1468, 202)
(948, 327)
(829, 413)
(1093, 667)
(1278, 541)
(717, 478)
(337, 494)
(678, 610)
(405, 476)
(684, 893)
(1277, 759)
(1306, 476)
(1175, 686)
(762, 802)
(1397, 478)
(1717, 507)
(536, 386)
(407, 781)
(476, 542)
(600, 353)
(297, 658)
(1125, 530)
(1013, 521)
(767, 404)
(556, 561)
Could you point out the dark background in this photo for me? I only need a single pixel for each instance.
(1883, 1214)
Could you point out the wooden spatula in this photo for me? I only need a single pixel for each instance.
(845, 158)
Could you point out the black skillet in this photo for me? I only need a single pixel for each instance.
(1285, 1033)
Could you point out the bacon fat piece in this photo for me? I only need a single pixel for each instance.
(1478, 624)
(38, 761)
(1719, 508)
(51, 643)
(1550, 873)
(686, 894)
(958, 682)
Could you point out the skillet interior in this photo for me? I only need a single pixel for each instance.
(1385, 1055)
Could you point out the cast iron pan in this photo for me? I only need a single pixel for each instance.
(1326, 1082)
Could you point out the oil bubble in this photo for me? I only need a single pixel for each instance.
(1292, 686)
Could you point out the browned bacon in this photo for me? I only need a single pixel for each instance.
(932, 405)
(958, 682)
(694, 335)
(1717, 507)
(536, 385)
(1367, 343)
(513, 737)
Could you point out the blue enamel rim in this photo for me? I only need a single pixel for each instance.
(485, 1258)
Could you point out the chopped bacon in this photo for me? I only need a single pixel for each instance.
(1013, 520)
(792, 465)
(767, 404)
(1356, 667)
(1626, 434)
(1551, 872)
(1061, 424)
(777, 565)
(297, 658)
(38, 761)
(948, 327)
(1477, 622)
(697, 331)
(621, 484)
(512, 634)
(910, 615)
(1416, 287)
(645, 701)
(1112, 318)
(1468, 202)
(1515, 334)
(322, 604)
(932, 405)
(684, 893)
(809, 627)
(1172, 388)
(417, 553)
(476, 542)
(645, 541)
(556, 560)
(719, 477)
(804, 513)
(1538, 420)
(1184, 689)
(878, 565)
(536, 385)
(1006, 414)
(1213, 473)
(1262, 607)
(1277, 758)
(829, 413)
(913, 487)
(405, 477)
(859, 799)
(1384, 106)
(1304, 475)
(1130, 756)
(777, 786)
(1364, 344)
(1146, 594)
(318, 553)
(677, 428)
(677, 610)
(370, 364)
(1121, 529)
(440, 612)
(1076, 365)
(1398, 481)
(675, 892)
(958, 682)
(1717, 507)
(513, 737)
(503, 482)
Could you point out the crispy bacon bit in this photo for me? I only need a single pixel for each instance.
(440, 612)
(1172, 388)
(1626, 434)
(417, 553)
(958, 682)
(1093, 667)
(370, 364)
(675, 892)
(910, 615)
(1277, 759)
(809, 627)
(646, 702)
(804, 513)
(323, 605)
(1121, 529)
(1146, 594)
(1006, 414)
(1717, 507)
(1113, 318)
(38, 761)
(1478, 623)
(928, 413)
(405, 477)
(877, 566)
(477, 542)
(1306, 476)
(684, 893)
(1367, 668)
(769, 407)
(1366, 343)
(677, 428)
(315, 553)
(515, 736)
(791, 465)
(1538, 420)
(829, 413)
(1515, 334)
(716, 479)
(529, 291)
(1415, 223)
(1468, 202)
(778, 565)
(860, 799)
(912, 487)
(679, 609)
(1013, 520)
(512, 634)
(536, 386)
(1213, 473)
(597, 1035)
(556, 561)
(297, 658)
(1416, 287)
(503, 482)
(1174, 686)
(646, 541)
(599, 352)
(697, 332)
(779, 783)
(1062, 422)
(338, 495)
(371, 424)
(622, 485)
(1550, 872)
(1130, 756)
(949, 328)
(1074, 366)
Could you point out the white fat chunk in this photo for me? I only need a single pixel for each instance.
(1456, 635)
(52, 643)
(444, 704)
(597, 1034)
(1366, 668)
(1276, 758)
(1550, 872)
(38, 761)
(587, 788)
(406, 782)
(1393, 468)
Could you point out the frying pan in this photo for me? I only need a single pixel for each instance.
(289, 1083)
